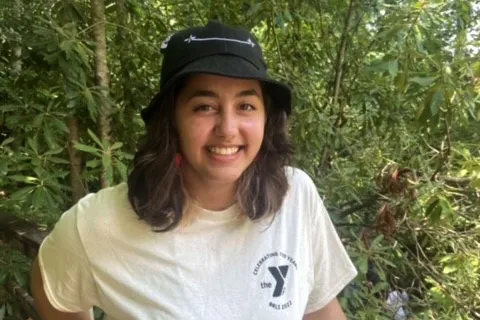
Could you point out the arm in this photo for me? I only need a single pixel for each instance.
(44, 308)
(332, 311)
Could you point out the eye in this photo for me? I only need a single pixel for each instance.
(247, 107)
(203, 108)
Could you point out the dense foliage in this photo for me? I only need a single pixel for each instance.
(386, 120)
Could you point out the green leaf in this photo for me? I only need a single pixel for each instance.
(388, 262)
(378, 65)
(363, 265)
(13, 95)
(96, 139)
(449, 269)
(254, 9)
(22, 193)
(54, 151)
(125, 155)
(20, 278)
(10, 107)
(88, 149)
(32, 143)
(376, 241)
(3, 168)
(38, 198)
(90, 102)
(393, 67)
(37, 121)
(50, 137)
(60, 125)
(424, 82)
(381, 286)
(400, 81)
(66, 46)
(122, 169)
(280, 21)
(7, 141)
(287, 15)
(24, 179)
(116, 145)
(445, 205)
(94, 163)
(436, 102)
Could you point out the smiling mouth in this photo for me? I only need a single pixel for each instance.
(224, 151)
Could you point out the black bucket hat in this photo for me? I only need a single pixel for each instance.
(220, 50)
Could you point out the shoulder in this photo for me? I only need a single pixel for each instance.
(97, 214)
(86, 218)
(302, 196)
(102, 211)
(108, 198)
(102, 218)
(94, 208)
(299, 180)
(101, 205)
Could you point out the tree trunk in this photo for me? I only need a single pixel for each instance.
(124, 41)
(78, 189)
(102, 80)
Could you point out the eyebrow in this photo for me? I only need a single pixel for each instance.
(211, 94)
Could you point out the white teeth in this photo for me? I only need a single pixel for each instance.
(223, 151)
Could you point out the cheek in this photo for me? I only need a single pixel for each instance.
(193, 134)
(255, 129)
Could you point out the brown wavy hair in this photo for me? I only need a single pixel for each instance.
(155, 188)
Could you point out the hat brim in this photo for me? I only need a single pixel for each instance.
(227, 66)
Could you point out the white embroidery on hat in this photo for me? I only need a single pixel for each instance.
(194, 38)
(165, 42)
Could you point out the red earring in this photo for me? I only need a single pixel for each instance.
(178, 160)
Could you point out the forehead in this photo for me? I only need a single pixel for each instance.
(220, 84)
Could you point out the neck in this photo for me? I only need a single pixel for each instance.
(211, 195)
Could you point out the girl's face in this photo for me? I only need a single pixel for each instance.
(220, 122)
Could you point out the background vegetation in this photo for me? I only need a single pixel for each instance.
(386, 120)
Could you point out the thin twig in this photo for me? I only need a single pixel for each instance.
(282, 64)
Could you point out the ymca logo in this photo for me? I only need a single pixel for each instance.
(279, 274)
(276, 279)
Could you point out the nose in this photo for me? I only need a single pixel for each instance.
(227, 123)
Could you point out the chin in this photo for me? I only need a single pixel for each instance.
(226, 176)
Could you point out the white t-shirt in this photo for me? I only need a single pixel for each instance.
(220, 265)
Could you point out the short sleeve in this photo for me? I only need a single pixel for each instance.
(332, 267)
(65, 268)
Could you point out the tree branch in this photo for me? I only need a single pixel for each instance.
(341, 55)
(338, 70)
(344, 212)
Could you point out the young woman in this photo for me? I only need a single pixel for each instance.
(212, 223)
